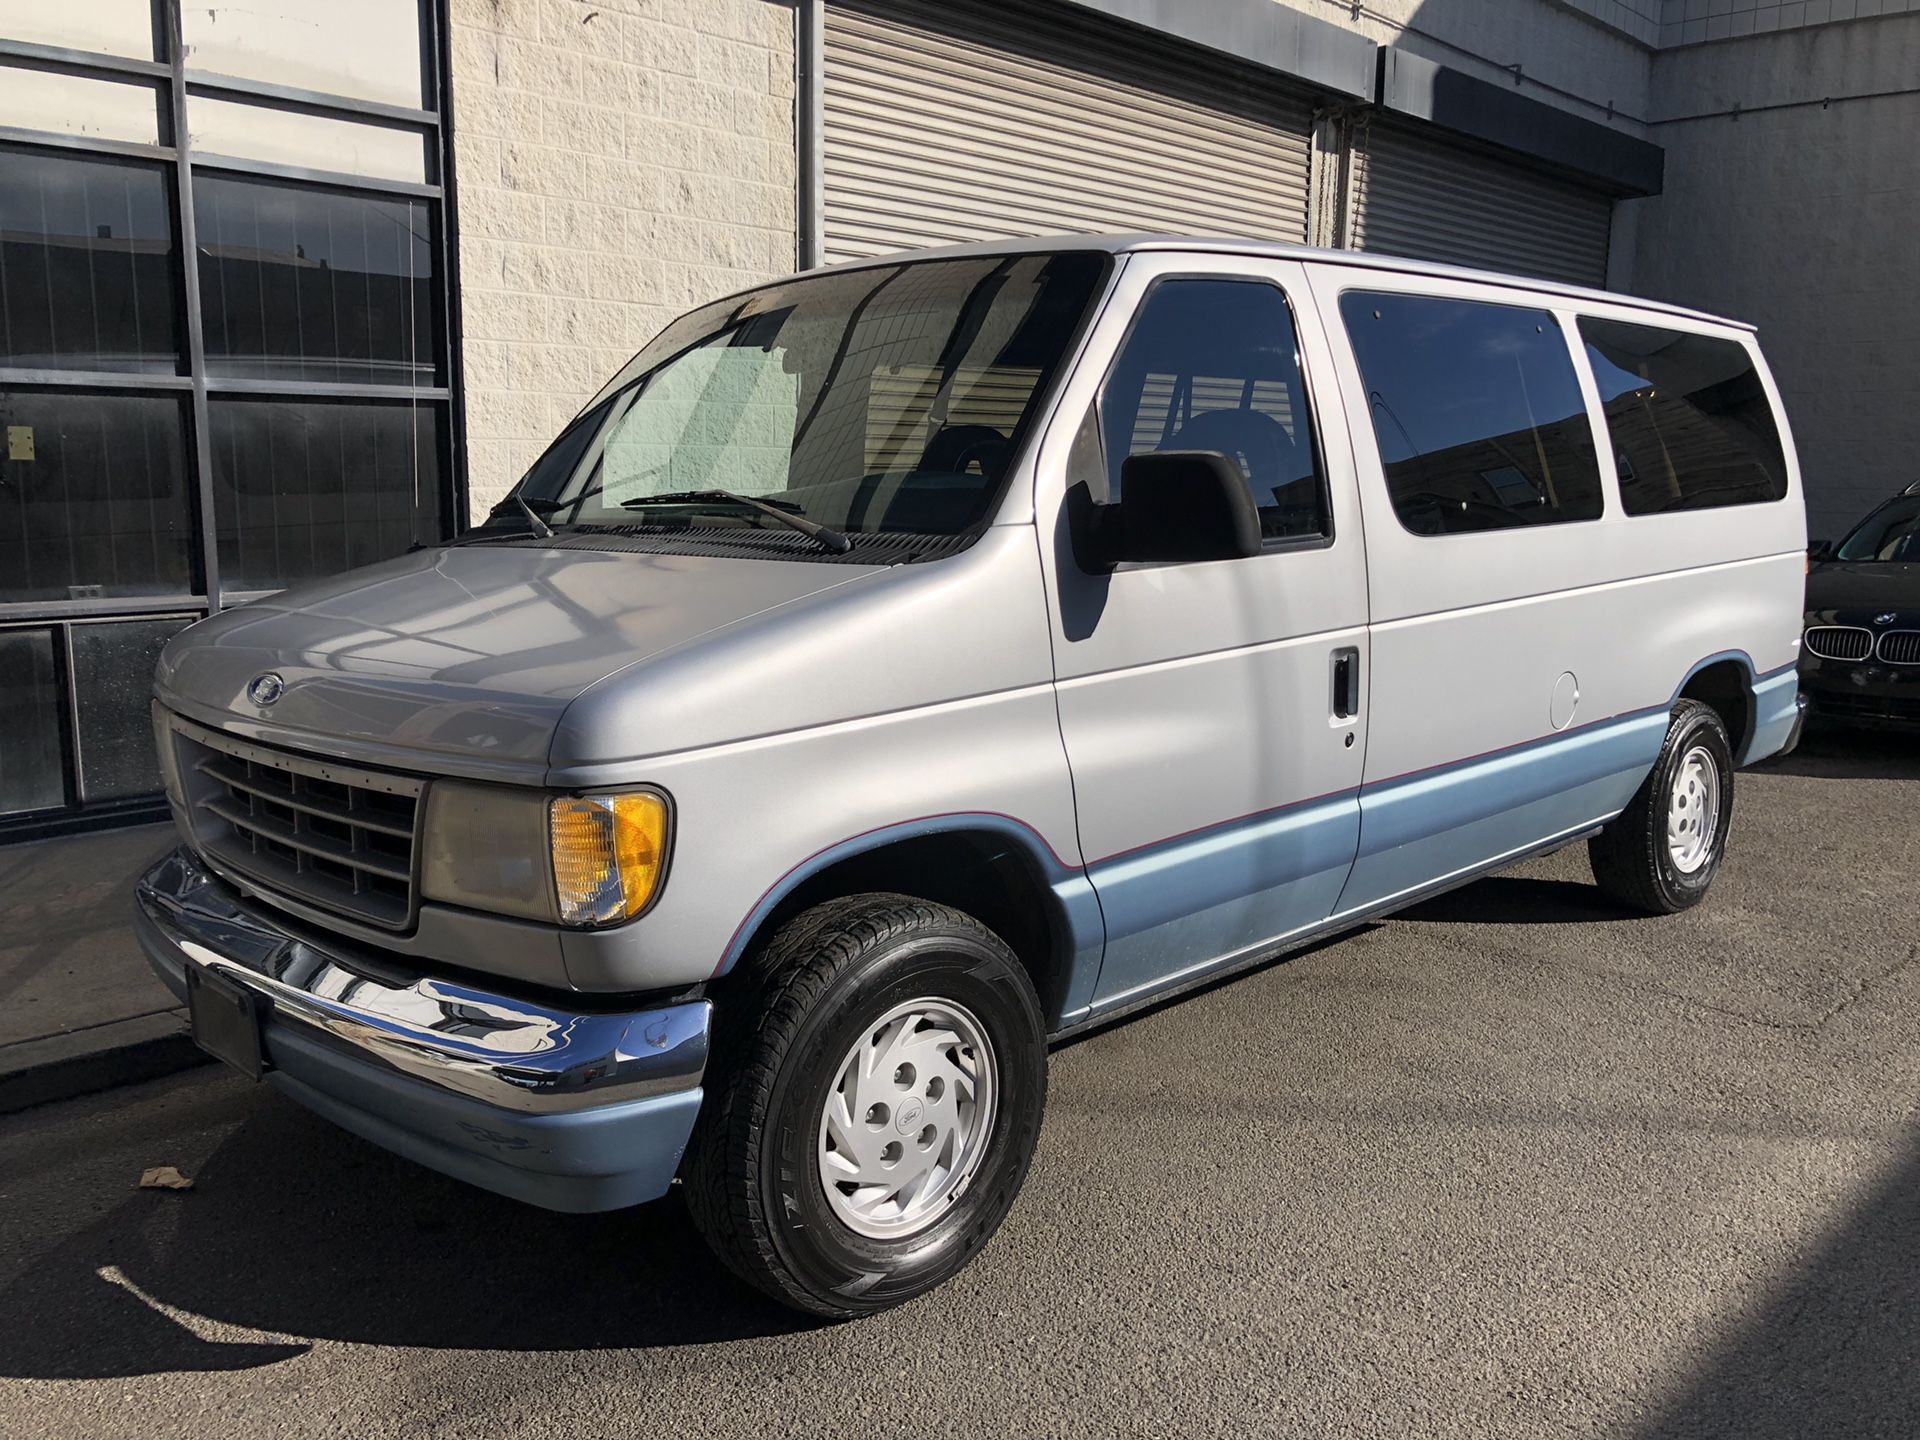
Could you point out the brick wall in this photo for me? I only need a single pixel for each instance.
(618, 162)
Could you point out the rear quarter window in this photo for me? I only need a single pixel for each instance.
(1477, 410)
(1688, 416)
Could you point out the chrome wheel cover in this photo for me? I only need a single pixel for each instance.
(1693, 810)
(907, 1118)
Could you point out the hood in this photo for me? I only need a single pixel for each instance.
(471, 652)
(1876, 587)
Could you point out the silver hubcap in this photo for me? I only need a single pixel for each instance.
(906, 1120)
(1693, 811)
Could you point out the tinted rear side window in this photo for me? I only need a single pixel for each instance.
(1690, 422)
(1477, 411)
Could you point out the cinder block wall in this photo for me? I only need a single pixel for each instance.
(618, 161)
(1802, 218)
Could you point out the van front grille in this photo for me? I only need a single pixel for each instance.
(1900, 647)
(327, 835)
(1839, 642)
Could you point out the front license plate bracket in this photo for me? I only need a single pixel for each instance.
(226, 1020)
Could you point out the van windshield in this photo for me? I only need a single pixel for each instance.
(876, 401)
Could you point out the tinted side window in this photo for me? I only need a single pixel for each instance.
(1690, 422)
(1477, 411)
(1214, 365)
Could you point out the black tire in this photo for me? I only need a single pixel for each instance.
(1630, 858)
(753, 1172)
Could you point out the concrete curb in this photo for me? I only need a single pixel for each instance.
(100, 1057)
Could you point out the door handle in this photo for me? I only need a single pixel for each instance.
(1346, 683)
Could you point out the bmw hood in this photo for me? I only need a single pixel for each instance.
(1859, 592)
(468, 653)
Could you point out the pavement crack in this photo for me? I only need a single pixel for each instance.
(1818, 1022)
(1861, 988)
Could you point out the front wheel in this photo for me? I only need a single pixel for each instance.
(880, 1076)
(1662, 852)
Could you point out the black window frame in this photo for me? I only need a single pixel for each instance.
(174, 81)
(1275, 545)
(1576, 360)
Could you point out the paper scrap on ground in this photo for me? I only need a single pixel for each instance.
(164, 1177)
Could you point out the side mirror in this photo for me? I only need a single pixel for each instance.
(1818, 550)
(1180, 505)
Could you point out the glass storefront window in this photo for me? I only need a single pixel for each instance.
(304, 489)
(241, 131)
(302, 283)
(70, 105)
(86, 265)
(294, 427)
(94, 499)
(368, 49)
(113, 688)
(107, 27)
(31, 714)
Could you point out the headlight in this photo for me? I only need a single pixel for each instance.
(575, 859)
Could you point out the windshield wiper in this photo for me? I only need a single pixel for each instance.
(540, 527)
(833, 539)
(536, 521)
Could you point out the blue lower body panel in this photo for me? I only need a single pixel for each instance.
(1776, 713)
(1424, 828)
(1182, 905)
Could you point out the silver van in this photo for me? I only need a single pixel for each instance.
(899, 667)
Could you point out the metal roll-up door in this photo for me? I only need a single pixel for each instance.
(970, 121)
(1420, 196)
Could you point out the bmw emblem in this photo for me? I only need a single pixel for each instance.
(266, 688)
(1886, 619)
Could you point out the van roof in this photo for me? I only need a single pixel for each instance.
(1127, 244)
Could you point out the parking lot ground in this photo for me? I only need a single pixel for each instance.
(1509, 1164)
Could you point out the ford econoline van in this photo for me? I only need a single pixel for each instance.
(902, 666)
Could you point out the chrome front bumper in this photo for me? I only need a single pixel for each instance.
(565, 1108)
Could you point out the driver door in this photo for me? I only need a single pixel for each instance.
(1213, 713)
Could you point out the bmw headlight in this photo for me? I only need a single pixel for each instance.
(579, 860)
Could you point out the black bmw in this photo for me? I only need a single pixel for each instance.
(1860, 660)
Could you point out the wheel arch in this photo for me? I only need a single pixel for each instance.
(993, 867)
(1726, 684)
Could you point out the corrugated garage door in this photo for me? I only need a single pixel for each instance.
(1412, 195)
(967, 121)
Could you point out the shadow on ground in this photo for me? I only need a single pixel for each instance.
(1518, 900)
(1833, 753)
(1834, 1351)
(301, 1231)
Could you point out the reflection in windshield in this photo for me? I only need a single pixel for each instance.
(876, 400)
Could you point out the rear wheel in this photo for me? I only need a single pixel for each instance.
(879, 1080)
(1664, 849)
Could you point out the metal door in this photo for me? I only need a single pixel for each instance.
(1214, 714)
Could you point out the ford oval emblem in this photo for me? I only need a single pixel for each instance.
(266, 688)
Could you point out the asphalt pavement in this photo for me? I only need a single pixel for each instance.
(1510, 1164)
